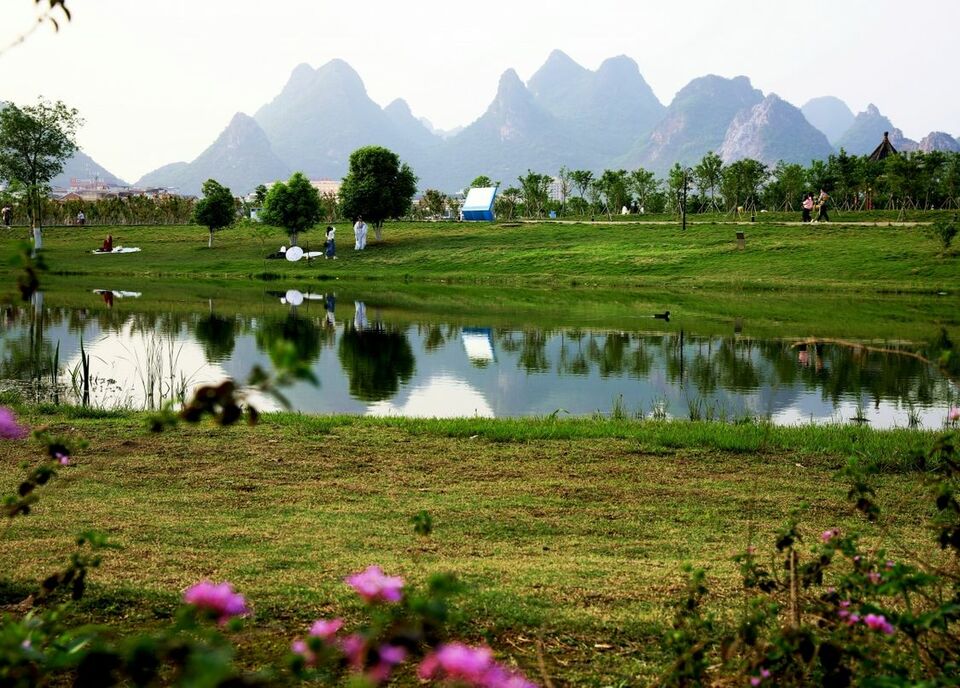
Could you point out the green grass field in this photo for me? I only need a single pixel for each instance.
(824, 258)
(569, 534)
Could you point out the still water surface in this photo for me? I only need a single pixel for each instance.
(369, 362)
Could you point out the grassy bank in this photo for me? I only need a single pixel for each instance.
(836, 257)
(571, 532)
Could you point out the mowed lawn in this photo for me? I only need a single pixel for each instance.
(570, 535)
(822, 257)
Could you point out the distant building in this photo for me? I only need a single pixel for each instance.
(327, 186)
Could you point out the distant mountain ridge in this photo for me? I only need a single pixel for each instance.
(695, 123)
(830, 115)
(771, 131)
(867, 131)
(565, 115)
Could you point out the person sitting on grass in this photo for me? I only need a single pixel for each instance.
(107, 244)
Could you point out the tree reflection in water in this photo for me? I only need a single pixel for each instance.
(217, 335)
(302, 333)
(376, 360)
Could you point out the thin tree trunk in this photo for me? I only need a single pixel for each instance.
(210, 240)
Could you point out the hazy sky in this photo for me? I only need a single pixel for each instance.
(158, 80)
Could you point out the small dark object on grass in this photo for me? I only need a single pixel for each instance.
(662, 316)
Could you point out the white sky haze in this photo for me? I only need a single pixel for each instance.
(158, 80)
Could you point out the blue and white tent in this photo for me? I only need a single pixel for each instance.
(478, 205)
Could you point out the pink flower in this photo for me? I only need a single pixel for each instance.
(62, 459)
(828, 535)
(498, 677)
(877, 622)
(472, 666)
(326, 628)
(219, 599)
(299, 647)
(388, 657)
(954, 415)
(354, 647)
(372, 585)
(874, 577)
(9, 428)
(890, 564)
(457, 661)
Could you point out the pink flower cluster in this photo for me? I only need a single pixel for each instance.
(828, 535)
(850, 617)
(62, 459)
(877, 622)
(373, 585)
(219, 599)
(469, 666)
(757, 680)
(954, 415)
(10, 429)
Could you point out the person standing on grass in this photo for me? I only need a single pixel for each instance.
(807, 207)
(81, 219)
(7, 214)
(331, 247)
(360, 234)
(822, 204)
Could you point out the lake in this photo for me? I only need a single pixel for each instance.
(465, 353)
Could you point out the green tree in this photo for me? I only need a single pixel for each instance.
(581, 179)
(742, 181)
(786, 190)
(435, 202)
(260, 194)
(643, 183)
(295, 206)
(707, 174)
(679, 184)
(377, 186)
(507, 202)
(481, 182)
(536, 192)
(35, 142)
(216, 210)
(565, 185)
(616, 193)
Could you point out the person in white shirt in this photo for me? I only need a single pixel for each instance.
(330, 249)
(360, 234)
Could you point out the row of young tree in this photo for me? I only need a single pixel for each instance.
(122, 210)
(907, 181)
